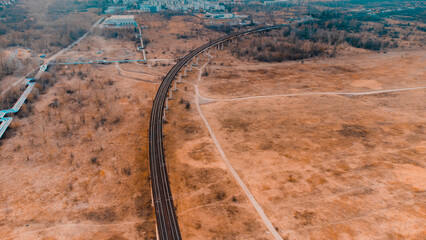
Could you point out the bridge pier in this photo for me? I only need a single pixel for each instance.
(167, 105)
(171, 94)
(180, 78)
(175, 88)
(184, 71)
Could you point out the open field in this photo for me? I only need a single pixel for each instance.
(74, 164)
(209, 203)
(175, 37)
(363, 71)
(78, 169)
(321, 166)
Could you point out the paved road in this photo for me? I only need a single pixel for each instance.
(53, 57)
(167, 224)
(56, 55)
(5, 122)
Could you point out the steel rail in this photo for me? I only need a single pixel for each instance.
(167, 224)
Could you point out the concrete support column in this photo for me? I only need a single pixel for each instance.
(167, 104)
(175, 88)
(171, 94)
(180, 78)
(196, 61)
(184, 71)
(164, 116)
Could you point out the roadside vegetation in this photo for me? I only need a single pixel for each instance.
(323, 37)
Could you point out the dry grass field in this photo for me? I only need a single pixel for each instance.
(209, 203)
(76, 167)
(323, 166)
(174, 37)
(74, 163)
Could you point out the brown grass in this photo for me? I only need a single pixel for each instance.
(327, 167)
(85, 157)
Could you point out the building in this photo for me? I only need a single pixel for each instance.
(179, 5)
(223, 15)
(114, 9)
(149, 8)
(274, 2)
(120, 21)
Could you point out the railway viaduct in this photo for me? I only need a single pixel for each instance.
(166, 219)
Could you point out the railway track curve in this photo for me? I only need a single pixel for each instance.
(166, 218)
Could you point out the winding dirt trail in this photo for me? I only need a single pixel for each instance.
(314, 93)
(249, 195)
(71, 225)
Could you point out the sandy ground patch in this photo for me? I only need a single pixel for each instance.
(210, 205)
(231, 77)
(323, 166)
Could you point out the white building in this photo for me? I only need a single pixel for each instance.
(273, 2)
(180, 5)
(223, 15)
(120, 21)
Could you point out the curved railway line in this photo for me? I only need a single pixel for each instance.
(167, 224)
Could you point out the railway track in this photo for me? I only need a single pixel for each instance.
(167, 224)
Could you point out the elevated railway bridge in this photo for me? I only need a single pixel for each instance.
(167, 222)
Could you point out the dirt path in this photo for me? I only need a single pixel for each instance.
(68, 225)
(317, 93)
(228, 164)
(120, 70)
